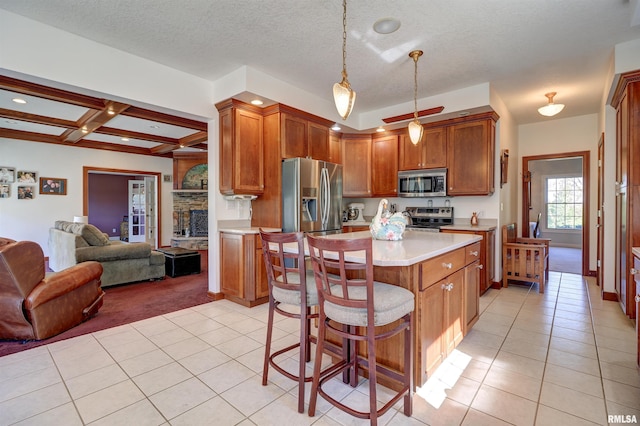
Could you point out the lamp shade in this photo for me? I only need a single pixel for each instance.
(415, 131)
(81, 219)
(344, 98)
(551, 108)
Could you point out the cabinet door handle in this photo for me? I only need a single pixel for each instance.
(443, 286)
(480, 266)
(447, 265)
(450, 287)
(637, 298)
(474, 253)
(634, 271)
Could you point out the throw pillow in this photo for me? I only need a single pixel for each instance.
(94, 236)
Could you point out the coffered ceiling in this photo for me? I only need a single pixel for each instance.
(33, 112)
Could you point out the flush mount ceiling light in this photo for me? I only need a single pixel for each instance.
(386, 25)
(336, 127)
(343, 95)
(19, 100)
(415, 127)
(551, 108)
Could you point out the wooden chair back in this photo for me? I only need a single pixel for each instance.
(523, 259)
(284, 270)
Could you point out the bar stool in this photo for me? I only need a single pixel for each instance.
(290, 283)
(363, 306)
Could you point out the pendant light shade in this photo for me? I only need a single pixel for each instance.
(343, 94)
(551, 108)
(415, 127)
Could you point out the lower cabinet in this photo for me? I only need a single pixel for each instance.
(243, 277)
(636, 267)
(487, 255)
(447, 305)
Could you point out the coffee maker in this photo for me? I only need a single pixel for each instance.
(355, 213)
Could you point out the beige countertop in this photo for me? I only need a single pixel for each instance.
(247, 230)
(415, 247)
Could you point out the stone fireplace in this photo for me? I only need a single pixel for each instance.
(190, 219)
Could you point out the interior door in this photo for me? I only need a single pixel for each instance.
(151, 207)
(600, 213)
(137, 211)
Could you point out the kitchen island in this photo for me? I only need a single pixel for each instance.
(442, 270)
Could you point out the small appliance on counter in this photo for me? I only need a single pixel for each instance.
(355, 214)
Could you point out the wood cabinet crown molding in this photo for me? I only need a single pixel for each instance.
(623, 81)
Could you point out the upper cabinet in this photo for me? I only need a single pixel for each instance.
(241, 148)
(429, 153)
(356, 173)
(384, 166)
(335, 147)
(471, 155)
(303, 135)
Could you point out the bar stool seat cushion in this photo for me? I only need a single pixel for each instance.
(292, 297)
(390, 303)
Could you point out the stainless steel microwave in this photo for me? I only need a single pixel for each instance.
(422, 183)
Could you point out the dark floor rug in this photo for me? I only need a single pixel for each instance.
(133, 302)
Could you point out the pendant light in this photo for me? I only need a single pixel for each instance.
(551, 108)
(415, 127)
(343, 95)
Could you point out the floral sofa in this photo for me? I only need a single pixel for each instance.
(71, 243)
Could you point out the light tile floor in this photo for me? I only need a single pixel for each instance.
(564, 357)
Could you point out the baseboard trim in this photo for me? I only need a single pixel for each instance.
(611, 297)
(215, 296)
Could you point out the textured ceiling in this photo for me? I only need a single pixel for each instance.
(524, 48)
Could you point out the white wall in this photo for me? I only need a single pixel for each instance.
(31, 219)
(563, 136)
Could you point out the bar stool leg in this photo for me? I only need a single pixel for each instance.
(267, 347)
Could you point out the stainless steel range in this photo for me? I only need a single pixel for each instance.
(429, 218)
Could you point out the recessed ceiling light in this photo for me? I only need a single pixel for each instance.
(85, 130)
(19, 100)
(110, 111)
(386, 25)
(336, 127)
(10, 122)
(463, 113)
(124, 139)
(154, 126)
(257, 102)
(380, 129)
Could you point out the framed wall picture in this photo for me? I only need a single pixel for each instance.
(27, 177)
(7, 174)
(25, 192)
(504, 166)
(53, 186)
(5, 190)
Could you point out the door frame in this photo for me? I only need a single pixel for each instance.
(122, 172)
(584, 155)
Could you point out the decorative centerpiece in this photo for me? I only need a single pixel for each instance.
(385, 225)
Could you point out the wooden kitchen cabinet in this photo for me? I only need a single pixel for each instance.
(486, 254)
(242, 270)
(356, 170)
(335, 147)
(440, 307)
(384, 166)
(304, 138)
(241, 164)
(429, 153)
(471, 158)
(636, 276)
(626, 100)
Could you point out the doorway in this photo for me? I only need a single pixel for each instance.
(120, 222)
(556, 186)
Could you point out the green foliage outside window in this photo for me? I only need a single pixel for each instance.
(564, 202)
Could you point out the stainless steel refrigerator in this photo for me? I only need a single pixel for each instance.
(311, 196)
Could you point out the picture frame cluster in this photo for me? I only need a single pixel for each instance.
(26, 182)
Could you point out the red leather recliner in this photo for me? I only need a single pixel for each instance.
(33, 306)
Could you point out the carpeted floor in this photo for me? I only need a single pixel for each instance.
(564, 259)
(134, 302)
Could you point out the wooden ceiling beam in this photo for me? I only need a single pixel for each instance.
(93, 120)
(147, 114)
(50, 93)
(187, 141)
(38, 119)
(409, 116)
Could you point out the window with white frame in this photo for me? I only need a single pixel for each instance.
(563, 202)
